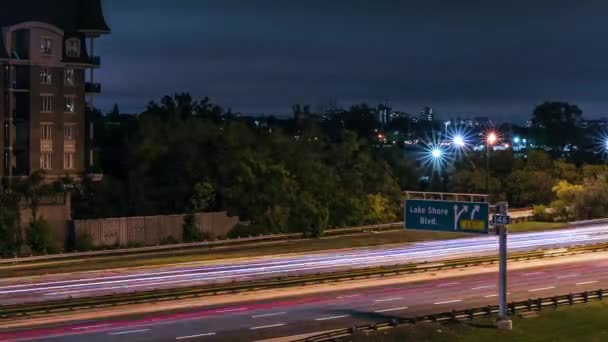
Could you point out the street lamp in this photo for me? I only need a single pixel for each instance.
(490, 141)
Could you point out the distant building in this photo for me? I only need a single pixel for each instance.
(47, 64)
(427, 114)
(383, 113)
(399, 116)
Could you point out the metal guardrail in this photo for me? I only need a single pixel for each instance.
(529, 305)
(28, 309)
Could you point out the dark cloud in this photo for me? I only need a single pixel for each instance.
(496, 58)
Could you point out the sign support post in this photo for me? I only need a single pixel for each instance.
(503, 323)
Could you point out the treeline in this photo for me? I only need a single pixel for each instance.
(182, 156)
(301, 175)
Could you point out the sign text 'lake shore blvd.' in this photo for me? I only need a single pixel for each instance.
(471, 217)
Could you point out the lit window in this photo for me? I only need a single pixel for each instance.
(70, 106)
(68, 131)
(68, 161)
(46, 103)
(72, 47)
(69, 77)
(45, 75)
(46, 132)
(46, 46)
(46, 160)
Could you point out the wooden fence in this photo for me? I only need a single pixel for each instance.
(150, 230)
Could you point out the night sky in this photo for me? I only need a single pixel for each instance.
(463, 58)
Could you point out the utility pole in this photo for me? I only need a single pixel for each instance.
(503, 323)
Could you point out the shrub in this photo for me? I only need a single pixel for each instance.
(84, 242)
(190, 232)
(243, 231)
(39, 235)
(541, 214)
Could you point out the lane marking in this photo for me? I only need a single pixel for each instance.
(448, 301)
(392, 309)
(587, 282)
(231, 310)
(349, 296)
(387, 299)
(268, 326)
(92, 326)
(270, 314)
(447, 284)
(568, 276)
(195, 336)
(533, 273)
(494, 295)
(483, 287)
(332, 317)
(129, 332)
(542, 289)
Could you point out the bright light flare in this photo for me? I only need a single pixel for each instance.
(458, 141)
(436, 153)
(491, 138)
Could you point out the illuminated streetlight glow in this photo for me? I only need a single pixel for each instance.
(436, 153)
(516, 140)
(458, 141)
(492, 138)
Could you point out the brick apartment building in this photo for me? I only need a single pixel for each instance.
(47, 82)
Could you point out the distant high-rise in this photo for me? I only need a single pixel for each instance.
(46, 54)
(383, 113)
(427, 114)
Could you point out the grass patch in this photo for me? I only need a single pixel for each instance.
(584, 322)
(535, 226)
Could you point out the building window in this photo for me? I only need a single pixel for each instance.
(72, 47)
(68, 131)
(46, 131)
(70, 106)
(68, 160)
(46, 160)
(45, 75)
(46, 103)
(69, 77)
(46, 46)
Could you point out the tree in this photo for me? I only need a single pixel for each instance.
(557, 124)
(32, 190)
(525, 188)
(592, 201)
(564, 206)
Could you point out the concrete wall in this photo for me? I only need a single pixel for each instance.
(150, 230)
(56, 211)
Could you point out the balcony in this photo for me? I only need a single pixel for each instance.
(92, 88)
(46, 145)
(69, 145)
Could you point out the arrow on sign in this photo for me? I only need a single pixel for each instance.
(474, 211)
(465, 208)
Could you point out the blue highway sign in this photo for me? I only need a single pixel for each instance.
(447, 216)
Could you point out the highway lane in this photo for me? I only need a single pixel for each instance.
(87, 284)
(253, 321)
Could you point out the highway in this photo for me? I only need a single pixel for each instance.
(86, 284)
(289, 316)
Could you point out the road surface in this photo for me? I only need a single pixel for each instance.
(86, 284)
(255, 321)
